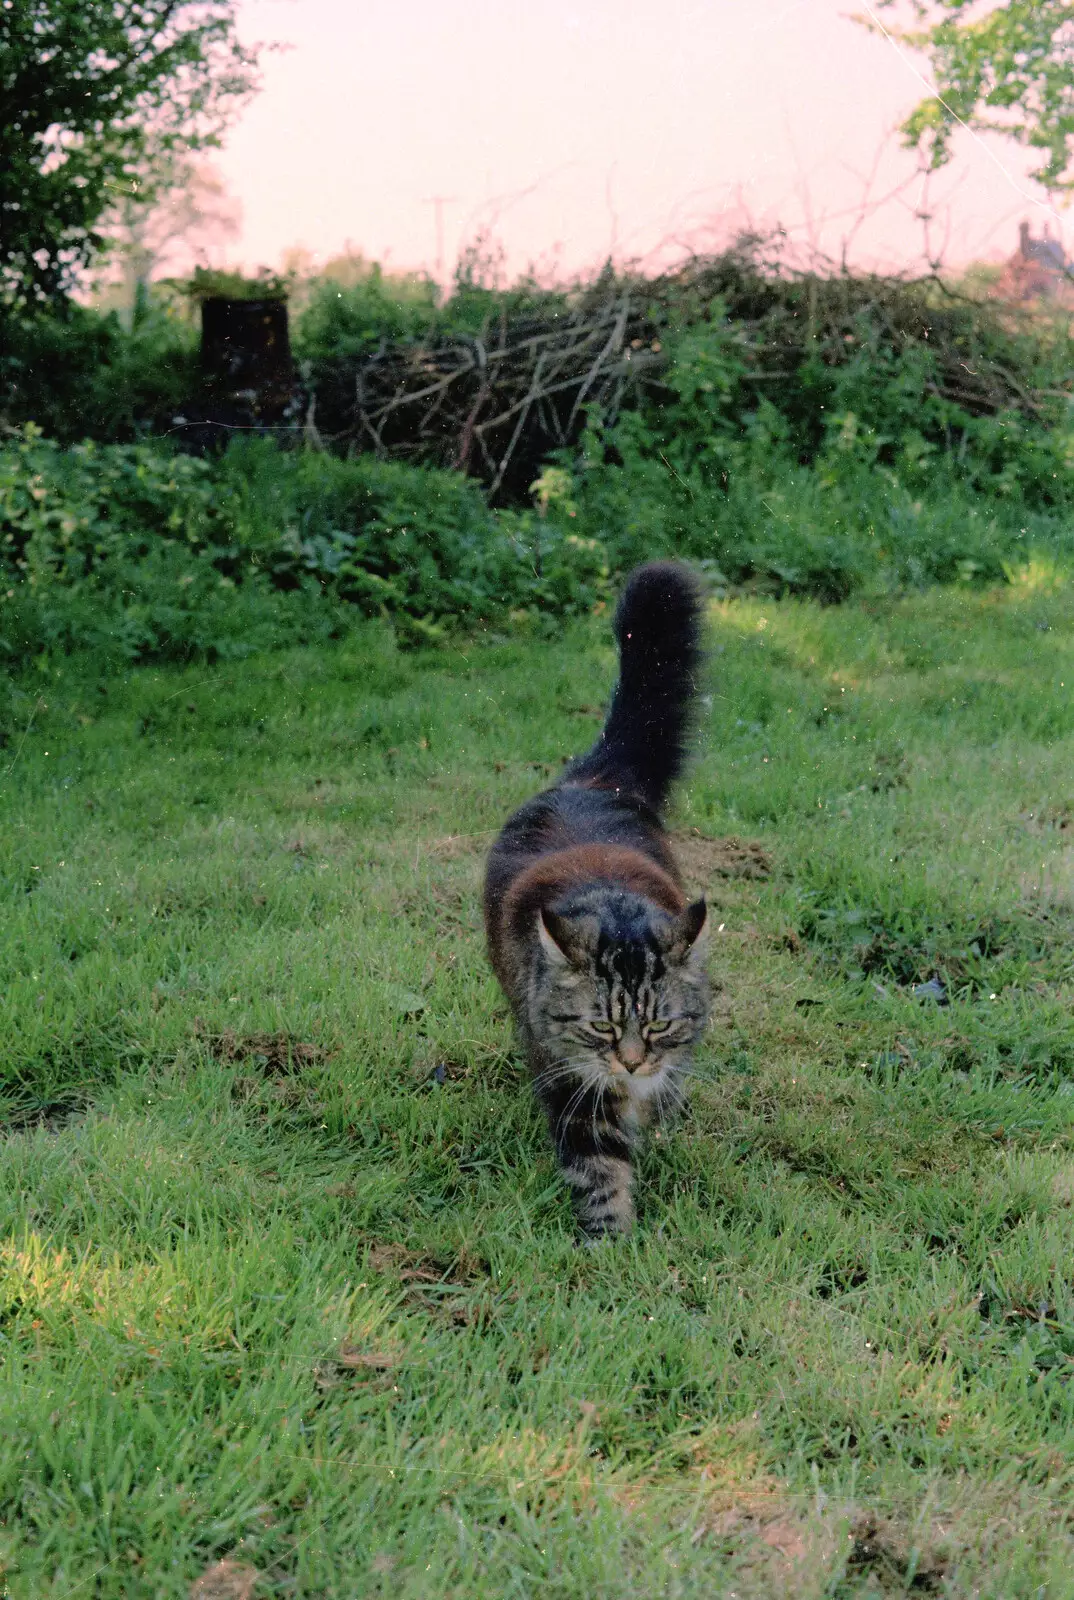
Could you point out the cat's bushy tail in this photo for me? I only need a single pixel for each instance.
(642, 749)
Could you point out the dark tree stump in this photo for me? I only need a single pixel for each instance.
(245, 344)
(248, 379)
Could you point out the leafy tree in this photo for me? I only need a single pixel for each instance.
(189, 211)
(1006, 68)
(97, 97)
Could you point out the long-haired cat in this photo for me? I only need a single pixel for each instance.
(589, 929)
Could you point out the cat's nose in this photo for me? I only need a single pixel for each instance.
(631, 1053)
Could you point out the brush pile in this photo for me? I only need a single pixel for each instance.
(494, 402)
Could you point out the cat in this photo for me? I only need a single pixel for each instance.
(589, 930)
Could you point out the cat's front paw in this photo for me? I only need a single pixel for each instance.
(593, 1241)
(601, 1190)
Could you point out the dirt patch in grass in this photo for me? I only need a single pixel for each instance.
(416, 1266)
(760, 1532)
(350, 1362)
(51, 1115)
(1048, 819)
(226, 1580)
(880, 1556)
(272, 1052)
(275, 1084)
(770, 1533)
(457, 1290)
(702, 860)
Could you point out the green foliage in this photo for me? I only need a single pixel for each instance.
(49, 366)
(838, 371)
(207, 283)
(479, 297)
(809, 436)
(341, 322)
(828, 530)
(341, 325)
(921, 379)
(421, 544)
(121, 550)
(141, 554)
(1005, 68)
(94, 91)
(821, 463)
(875, 509)
(77, 375)
(745, 360)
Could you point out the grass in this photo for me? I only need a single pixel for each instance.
(288, 1279)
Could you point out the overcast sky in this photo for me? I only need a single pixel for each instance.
(572, 129)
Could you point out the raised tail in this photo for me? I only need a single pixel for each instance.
(642, 749)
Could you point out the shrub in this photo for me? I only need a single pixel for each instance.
(143, 554)
(417, 542)
(840, 370)
(726, 368)
(749, 511)
(79, 375)
(116, 548)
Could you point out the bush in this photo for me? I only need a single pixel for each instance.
(119, 549)
(143, 554)
(839, 370)
(420, 543)
(728, 367)
(79, 375)
(746, 509)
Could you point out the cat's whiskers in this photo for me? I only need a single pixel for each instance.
(574, 1101)
(564, 1068)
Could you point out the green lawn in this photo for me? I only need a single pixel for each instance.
(288, 1277)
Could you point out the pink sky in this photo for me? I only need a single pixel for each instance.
(575, 128)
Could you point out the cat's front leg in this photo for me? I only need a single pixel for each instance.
(594, 1144)
(602, 1194)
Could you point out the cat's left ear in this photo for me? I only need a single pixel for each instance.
(690, 931)
(554, 935)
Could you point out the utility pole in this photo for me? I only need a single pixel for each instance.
(438, 202)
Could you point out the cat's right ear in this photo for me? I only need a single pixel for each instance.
(691, 929)
(554, 935)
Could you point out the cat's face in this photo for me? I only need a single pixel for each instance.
(622, 994)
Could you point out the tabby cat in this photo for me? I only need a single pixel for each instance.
(589, 929)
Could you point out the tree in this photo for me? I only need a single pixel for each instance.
(189, 212)
(98, 98)
(1007, 68)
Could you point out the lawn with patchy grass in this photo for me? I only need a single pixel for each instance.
(292, 1303)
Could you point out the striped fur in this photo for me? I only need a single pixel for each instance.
(589, 929)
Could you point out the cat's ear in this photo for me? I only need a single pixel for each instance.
(554, 934)
(690, 930)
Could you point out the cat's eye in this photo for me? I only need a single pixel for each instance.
(657, 1027)
(605, 1029)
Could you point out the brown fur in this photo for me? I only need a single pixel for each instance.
(511, 908)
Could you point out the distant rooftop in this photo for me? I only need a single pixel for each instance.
(1048, 251)
(1038, 270)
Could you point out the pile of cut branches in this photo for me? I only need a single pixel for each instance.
(984, 355)
(495, 402)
